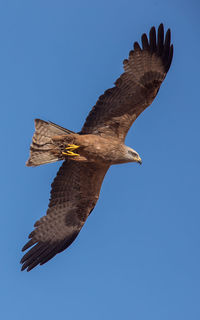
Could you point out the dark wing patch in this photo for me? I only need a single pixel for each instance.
(74, 194)
(134, 91)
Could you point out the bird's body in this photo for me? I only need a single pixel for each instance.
(89, 148)
(88, 154)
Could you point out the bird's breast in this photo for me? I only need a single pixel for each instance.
(97, 148)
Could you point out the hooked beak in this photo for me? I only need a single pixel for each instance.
(139, 161)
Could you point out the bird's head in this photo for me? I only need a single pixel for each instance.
(132, 155)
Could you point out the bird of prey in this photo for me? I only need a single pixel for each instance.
(89, 153)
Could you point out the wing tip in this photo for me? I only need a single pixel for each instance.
(29, 244)
(160, 44)
(42, 252)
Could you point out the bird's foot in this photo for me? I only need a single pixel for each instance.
(69, 150)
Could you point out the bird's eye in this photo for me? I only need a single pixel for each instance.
(131, 153)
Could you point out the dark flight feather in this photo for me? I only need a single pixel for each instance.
(145, 70)
(75, 191)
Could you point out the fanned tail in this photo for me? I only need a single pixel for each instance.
(42, 149)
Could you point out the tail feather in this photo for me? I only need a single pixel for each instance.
(42, 149)
(61, 129)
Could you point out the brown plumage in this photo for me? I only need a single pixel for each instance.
(134, 91)
(89, 153)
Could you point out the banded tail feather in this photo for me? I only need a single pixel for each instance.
(43, 149)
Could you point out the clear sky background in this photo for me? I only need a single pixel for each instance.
(138, 255)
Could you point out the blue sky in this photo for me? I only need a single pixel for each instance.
(138, 255)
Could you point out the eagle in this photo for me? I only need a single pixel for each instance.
(89, 153)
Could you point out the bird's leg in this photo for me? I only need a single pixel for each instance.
(70, 148)
(70, 153)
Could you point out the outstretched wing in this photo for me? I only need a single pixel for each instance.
(134, 91)
(74, 194)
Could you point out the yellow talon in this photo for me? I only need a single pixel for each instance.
(70, 153)
(72, 147)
